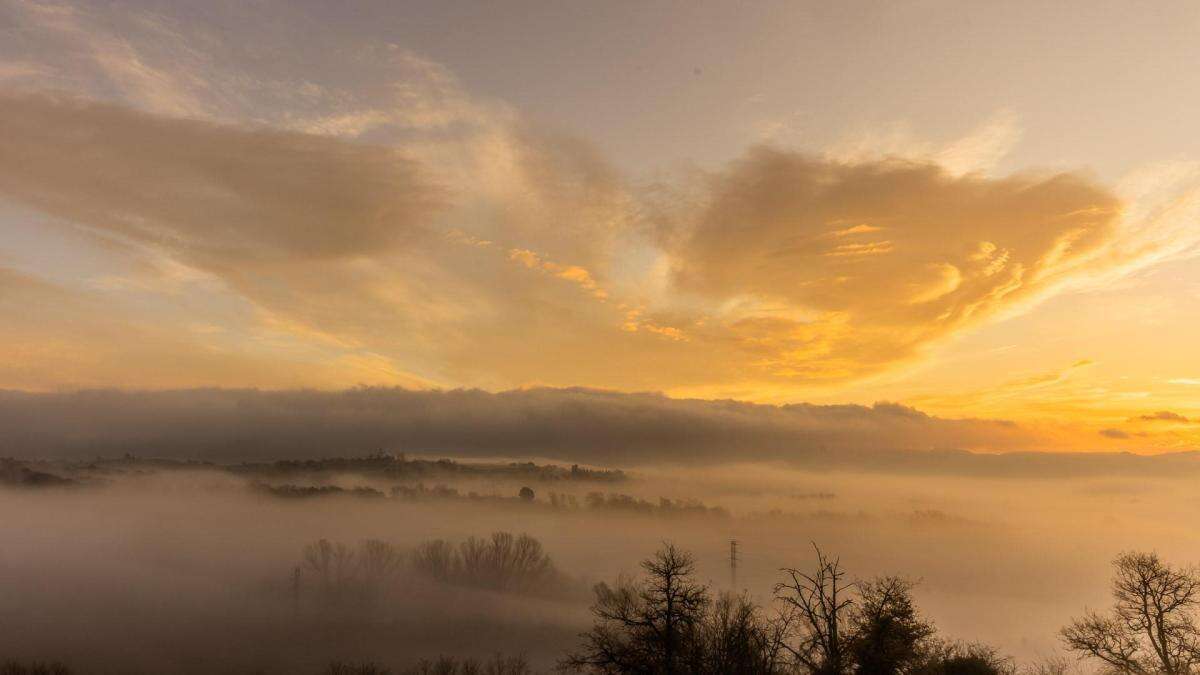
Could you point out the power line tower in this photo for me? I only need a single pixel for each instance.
(296, 589)
(733, 561)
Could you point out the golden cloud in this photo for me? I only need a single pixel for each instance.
(781, 270)
(211, 194)
(834, 270)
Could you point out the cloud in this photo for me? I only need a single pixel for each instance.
(1161, 416)
(1114, 433)
(320, 237)
(863, 265)
(977, 152)
(78, 50)
(783, 268)
(1046, 386)
(67, 338)
(572, 273)
(212, 195)
(356, 199)
(571, 425)
(342, 244)
(983, 149)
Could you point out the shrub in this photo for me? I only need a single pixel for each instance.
(35, 668)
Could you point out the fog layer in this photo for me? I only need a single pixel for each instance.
(152, 568)
(574, 425)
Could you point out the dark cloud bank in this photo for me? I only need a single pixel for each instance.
(575, 425)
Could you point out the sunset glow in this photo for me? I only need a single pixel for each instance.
(991, 214)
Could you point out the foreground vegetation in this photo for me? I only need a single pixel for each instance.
(667, 622)
(823, 624)
(35, 668)
(818, 621)
(443, 665)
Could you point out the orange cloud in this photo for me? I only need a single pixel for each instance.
(573, 273)
(346, 245)
(959, 250)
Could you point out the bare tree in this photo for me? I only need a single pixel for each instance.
(365, 668)
(449, 665)
(1054, 665)
(735, 637)
(35, 668)
(623, 638)
(505, 562)
(1152, 627)
(530, 565)
(962, 658)
(436, 559)
(819, 603)
(648, 625)
(378, 561)
(675, 602)
(332, 564)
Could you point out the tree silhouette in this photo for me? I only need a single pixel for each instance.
(819, 603)
(378, 561)
(957, 658)
(648, 625)
(332, 564)
(888, 635)
(1151, 628)
(436, 559)
(505, 562)
(735, 637)
(35, 668)
(674, 600)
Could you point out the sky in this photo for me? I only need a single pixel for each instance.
(976, 210)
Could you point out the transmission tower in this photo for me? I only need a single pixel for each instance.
(733, 560)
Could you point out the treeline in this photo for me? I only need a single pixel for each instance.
(821, 624)
(503, 562)
(819, 621)
(443, 665)
(18, 474)
(616, 502)
(289, 491)
(666, 622)
(35, 668)
(611, 502)
(389, 466)
(382, 466)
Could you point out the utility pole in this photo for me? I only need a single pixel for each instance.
(733, 564)
(296, 589)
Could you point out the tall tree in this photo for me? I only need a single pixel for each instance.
(888, 635)
(819, 601)
(736, 637)
(648, 625)
(1152, 626)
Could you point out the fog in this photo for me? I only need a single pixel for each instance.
(145, 566)
(569, 425)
